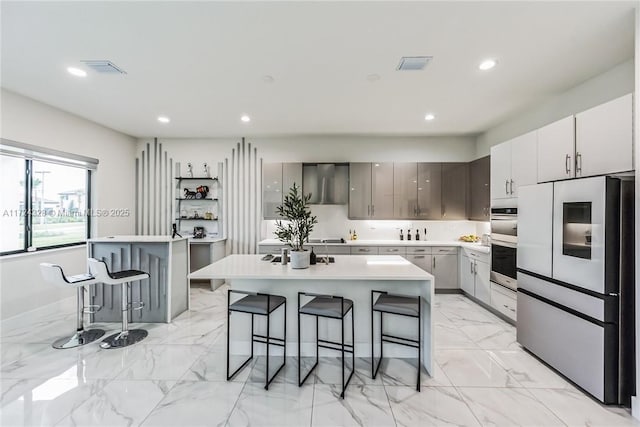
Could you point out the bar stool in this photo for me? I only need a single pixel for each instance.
(259, 304)
(401, 305)
(53, 274)
(126, 336)
(331, 307)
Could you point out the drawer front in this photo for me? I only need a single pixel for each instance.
(364, 250)
(419, 250)
(480, 256)
(504, 303)
(392, 250)
(269, 249)
(422, 261)
(333, 250)
(444, 250)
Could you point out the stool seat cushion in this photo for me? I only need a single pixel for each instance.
(397, 304)
(257, 304)
(327, 307)
(78, 278)
(128, 274)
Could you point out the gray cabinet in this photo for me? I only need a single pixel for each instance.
(454, 190)
(445, 270)
(405, 190)
(277, 179)
(479, 189)
(429, 191)
(474, 274)
(424, 261)
(371, 190)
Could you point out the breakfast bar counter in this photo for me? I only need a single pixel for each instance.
(350, 277)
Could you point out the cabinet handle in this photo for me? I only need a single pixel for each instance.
(567, 165)
(506, 186)
(475, 268)
(578, 163)
(373, 210)
(419, 250)
(368, 210)
(434, 262)
(418, 257)
(471, 267)
(394, 250)
(511, 187)
(364, 250)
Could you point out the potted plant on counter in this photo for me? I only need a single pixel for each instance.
(297, 226)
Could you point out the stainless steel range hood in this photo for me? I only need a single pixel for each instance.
(327, 182)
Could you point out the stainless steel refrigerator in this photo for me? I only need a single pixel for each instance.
(575, 264)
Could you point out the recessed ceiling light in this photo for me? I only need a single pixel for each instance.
(429, 117)
(164, 119)
(487, 64)
(245, 118)
(77, 72)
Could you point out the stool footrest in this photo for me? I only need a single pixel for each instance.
(400, 340)
(91, 309)
(139, 305)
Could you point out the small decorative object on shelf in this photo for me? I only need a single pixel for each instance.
(208, 215)
(205, 168)
(174, 231)
(199, 233)
(188, 194)
(189, 170)
(202, 191)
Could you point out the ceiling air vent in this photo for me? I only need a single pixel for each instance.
(104, 67)
(413, 63)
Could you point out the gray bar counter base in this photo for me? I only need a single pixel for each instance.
(165, 294)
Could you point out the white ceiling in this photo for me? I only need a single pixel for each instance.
(203, 63)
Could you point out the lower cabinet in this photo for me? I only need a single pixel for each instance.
(424, 261)
(474, 275)
(445, 270)
(504, 300)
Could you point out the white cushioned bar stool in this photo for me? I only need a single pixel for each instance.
(53, 274)
(259, 304)
(399, 305)
(330, 307)
(123, 278)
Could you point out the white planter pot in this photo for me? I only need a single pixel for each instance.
(299, 259)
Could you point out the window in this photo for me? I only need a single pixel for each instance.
(44, 200)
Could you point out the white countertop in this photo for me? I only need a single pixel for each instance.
(207, 240)
(346, 267)
(136, 239)
(409, 243)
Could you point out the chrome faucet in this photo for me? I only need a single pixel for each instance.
(326, 250)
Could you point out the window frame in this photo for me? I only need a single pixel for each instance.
(31, 153)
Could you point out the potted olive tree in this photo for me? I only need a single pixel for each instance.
(298, 223)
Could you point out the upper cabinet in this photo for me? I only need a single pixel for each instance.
(479, 193)
(513, 164)
(429, 191)
(556, 150)
(454, 190)
(277, 179)
(405, 190)
(597, 141)
(604, 138)
(371, 190)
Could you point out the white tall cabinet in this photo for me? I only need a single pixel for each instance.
(597, 141)
(513, 164)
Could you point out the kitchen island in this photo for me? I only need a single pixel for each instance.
(350, 277)
(165, 294)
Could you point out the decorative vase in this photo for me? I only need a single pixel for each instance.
(299, 259)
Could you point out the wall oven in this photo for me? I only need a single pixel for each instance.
(504, 238)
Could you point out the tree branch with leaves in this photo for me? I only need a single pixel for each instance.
(298, 222)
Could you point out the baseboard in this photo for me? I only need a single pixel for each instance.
(47, 311)
(448, 291)
(490, 309)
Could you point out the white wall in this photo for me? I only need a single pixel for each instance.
(635, 403)
(604, 87)
(31, 122)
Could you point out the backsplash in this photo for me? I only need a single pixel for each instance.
(333, 222)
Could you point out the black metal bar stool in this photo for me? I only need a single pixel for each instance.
(53, 274)
(260, 304)
(331, 307)
(401, 305)
(123, 278)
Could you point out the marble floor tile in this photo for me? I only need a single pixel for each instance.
(288, 374)
(195, 403)
(12, 352)
(284, 404)
(491, 336)
(528, 370)
(161, 362)
(574, 408)
(363, 405)
(473, 368)
(403, 372)
(43, 402)
(463, 317)
(119, 403)
(451, 336)
(329, 371)
(432, 406)
(507, 407)
(49, 363)
(212, 366)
